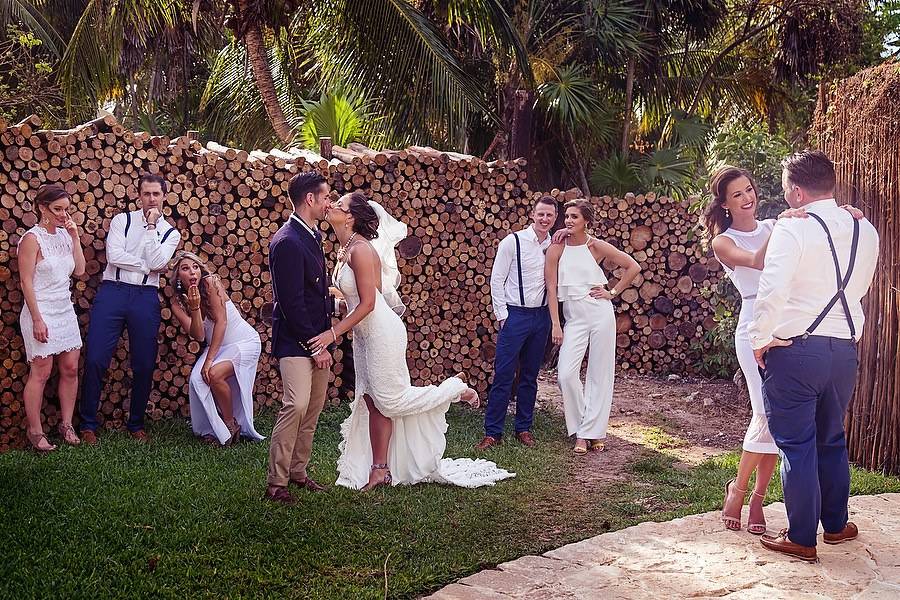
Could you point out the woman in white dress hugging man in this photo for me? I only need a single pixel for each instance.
(395, 433)
(221, 382)
(739, 241)
(49, 254)
(575, 278)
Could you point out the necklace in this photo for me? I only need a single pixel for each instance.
(343, 251)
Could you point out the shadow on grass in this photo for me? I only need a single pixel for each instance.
(180, 519)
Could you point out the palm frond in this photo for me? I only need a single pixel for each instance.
(570, 99)
(393, 51)
(30, 16)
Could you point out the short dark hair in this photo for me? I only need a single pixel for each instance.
(811, 170)
(303, 184)
(153, 178)
(545, 200)
(365, 219)
(584, 207)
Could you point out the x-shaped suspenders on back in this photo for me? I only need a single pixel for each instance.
(842, 281)
(521, 284)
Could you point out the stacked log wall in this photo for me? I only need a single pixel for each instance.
(227, 203)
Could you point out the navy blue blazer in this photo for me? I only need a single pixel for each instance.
(303, 307)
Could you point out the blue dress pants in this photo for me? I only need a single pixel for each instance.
(520, 345)
(806, 389)
(117, 307)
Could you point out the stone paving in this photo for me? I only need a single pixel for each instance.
(694, 557)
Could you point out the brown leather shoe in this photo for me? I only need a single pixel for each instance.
(526, 439)
(488, 442)
(140, 436)
(281, 495)
(781, 543)
(308, 484)
(849, 532)
(89, 438)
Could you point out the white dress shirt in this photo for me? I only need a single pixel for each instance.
(133, 256)
(799, 278)
(505, 272)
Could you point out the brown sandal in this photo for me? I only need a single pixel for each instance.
(68, 434)
(757, 528)
(598, 445)
(578, 449)
(732, 523)
(34, 439)
(235, 430)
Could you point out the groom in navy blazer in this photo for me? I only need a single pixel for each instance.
(302, 310)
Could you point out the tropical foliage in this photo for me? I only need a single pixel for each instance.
(606, 95)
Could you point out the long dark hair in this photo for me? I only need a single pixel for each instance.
(715, 221)
(585, 208)
(365, 220)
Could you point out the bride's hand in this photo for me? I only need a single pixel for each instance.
(336, 293)
(321, 341)
(557, 335)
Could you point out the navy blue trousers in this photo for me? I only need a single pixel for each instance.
(806, 388)
(520, 345)
(117, 307)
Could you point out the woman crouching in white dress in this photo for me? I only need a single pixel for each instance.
(574, 277)
(395, 433)
(221, 383)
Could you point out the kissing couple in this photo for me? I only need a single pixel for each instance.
(395, 433)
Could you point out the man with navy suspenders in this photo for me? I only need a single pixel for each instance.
(807, 320)
(139, 246)
(520, 304)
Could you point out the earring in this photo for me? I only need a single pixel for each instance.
(727, 212)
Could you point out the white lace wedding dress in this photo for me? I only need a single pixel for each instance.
(418, 413)
(52, 289)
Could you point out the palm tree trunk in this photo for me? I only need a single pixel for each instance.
(262, 74)
(629, 99)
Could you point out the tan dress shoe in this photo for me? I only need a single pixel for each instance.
(849, 532)
(781, 543)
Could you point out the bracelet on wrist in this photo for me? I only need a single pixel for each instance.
(333, 335)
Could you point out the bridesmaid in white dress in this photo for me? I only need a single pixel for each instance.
(575, 278)
(395, 433)
(222, 380)
(49, 254)
(739, 242)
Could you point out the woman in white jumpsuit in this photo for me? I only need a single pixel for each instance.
(575, 278)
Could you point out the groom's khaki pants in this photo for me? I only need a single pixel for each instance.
(305, 387)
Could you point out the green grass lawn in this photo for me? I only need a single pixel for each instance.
(184, 520)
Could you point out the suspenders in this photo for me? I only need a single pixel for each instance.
(842, 281)
(519, 266)
(127, 227)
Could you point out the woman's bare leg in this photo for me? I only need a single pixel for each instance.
(380, 430)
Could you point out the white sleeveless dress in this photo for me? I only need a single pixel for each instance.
(52, 288)
(746, 280)
(241, 346)
(418, 413)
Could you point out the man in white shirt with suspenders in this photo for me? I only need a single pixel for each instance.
(807, 319)
(520, 304)
(139, 246)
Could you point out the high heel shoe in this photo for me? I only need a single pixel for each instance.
(68, 434)
(235, 430)
(757, 528)
(387, 480)
(732, 523)
(34, 439)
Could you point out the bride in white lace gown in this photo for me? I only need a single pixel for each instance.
(395, 433)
